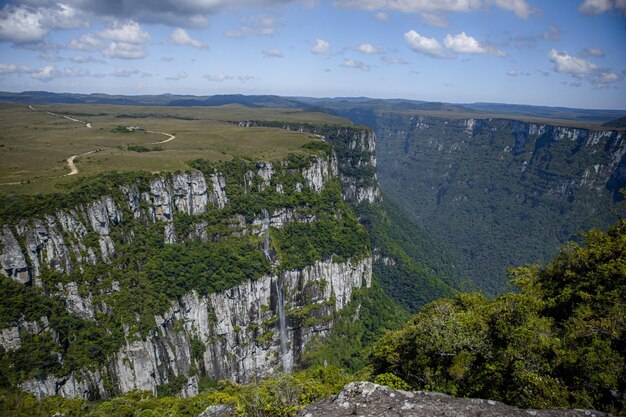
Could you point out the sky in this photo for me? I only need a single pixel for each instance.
(569, 53)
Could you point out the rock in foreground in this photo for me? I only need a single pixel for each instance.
(367, 399)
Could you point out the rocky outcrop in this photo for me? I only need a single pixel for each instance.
(355, 149)
(367, 399)
(12, 259)
(238, 330)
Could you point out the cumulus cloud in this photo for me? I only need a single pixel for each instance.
(46, 73)
(368, 48)
(88, 42)
(582, 69)
(124, 72)
(350, 63)
(178, 76)
(589, 52)
(218, 78)
(181, 37)
(396, 60)
(591, 7)
(465, 44)
(254, 26)
(125, 32)
(83, 59)
(520, 7)
(24, 24)
(511, 73)
(123, 50)
(424, 45)
(273, 53)
(123, 40)
(569, 64)
(321, 47)
(14, 69)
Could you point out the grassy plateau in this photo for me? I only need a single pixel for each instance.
(36, 141)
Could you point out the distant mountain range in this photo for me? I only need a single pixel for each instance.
(333, 105)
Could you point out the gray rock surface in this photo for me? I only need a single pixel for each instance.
(366, 399)
(220, 410)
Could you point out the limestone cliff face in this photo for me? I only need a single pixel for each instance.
(469, 182)
(233, 334)
(355, 148)
(237, 329)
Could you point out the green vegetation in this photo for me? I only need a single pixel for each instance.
(495, 195)
(281, 396)
(35, 144)
(412, 268)
(559, 342)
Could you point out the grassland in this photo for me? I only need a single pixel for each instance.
(35, 144)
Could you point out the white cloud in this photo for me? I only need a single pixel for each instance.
(588, 52)
(591, 7)
(511, 73)
(273, 53)
(424, 45)
(181, 37)
(566, 63)
(178, 76)
(74, 73)
(604, 78)
(83, 59)
(465, 44)
(396, 60)
(254, 26)
(433, 19)
(349, 63)
(124, 50)
(124, 72)
(321, 47)
(127, 32)
(46, 73)
(519, 7)
(87, 42)
(582, 69)
(14, 69)
(368, 48)
(24, 24)
(218, 78)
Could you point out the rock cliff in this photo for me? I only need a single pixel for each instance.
(252, 329)
(355, 149)
(470, 182)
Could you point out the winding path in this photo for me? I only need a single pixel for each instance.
(169, 139)
(70, 160)
(70, 163)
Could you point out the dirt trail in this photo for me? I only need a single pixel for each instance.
(70, 163)
(170, 138)
(70, 160)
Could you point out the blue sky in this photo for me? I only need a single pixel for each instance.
(556, 52)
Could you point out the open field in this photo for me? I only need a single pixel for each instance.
(35, 144)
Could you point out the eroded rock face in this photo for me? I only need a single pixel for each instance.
(237, 327)
(12, 259)
(367, 399)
